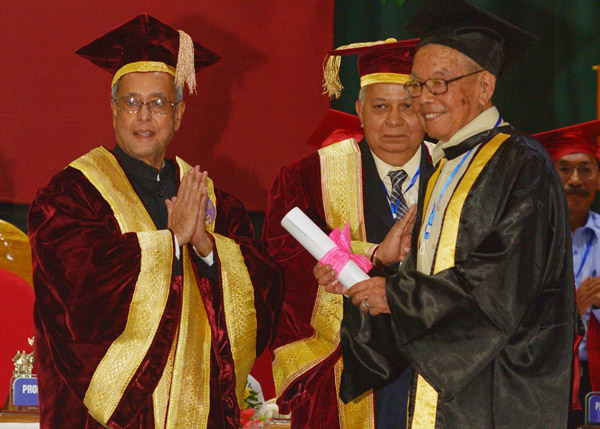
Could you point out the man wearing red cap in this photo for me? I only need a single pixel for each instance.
(483, 307)
(576, 155)
(347, 180)
(152, 299)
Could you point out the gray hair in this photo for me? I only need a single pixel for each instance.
(178, 91)
(362, 95)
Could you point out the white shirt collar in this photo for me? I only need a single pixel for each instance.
(484, 121)
(410, 167)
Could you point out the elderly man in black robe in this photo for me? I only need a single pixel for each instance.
(483, 307)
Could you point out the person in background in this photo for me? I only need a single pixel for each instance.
(152, 299)
(371, 183)
(576, 156)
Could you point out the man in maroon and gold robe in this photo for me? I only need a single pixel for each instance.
(344, 181)
(152, 299)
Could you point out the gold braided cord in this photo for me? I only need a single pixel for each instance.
(372, 78)
(142, 66)
(185, 71)
(331, 67)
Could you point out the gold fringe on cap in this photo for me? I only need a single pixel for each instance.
(185, 71)
(331, 67)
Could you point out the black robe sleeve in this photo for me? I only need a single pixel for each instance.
(507, 297)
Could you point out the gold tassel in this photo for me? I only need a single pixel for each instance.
(331, 67)
(185, 70)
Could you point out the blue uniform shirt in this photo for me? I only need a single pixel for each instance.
(591, 266)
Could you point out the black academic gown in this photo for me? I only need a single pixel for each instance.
(493, 333)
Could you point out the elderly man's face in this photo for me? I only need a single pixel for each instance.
(444, 114)
(145, 135)
(581, 179)
(391, 125)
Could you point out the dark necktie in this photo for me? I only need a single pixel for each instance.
(396, 198)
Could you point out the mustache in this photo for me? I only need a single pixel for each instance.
(576, 190)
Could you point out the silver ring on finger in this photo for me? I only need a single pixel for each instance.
(364, 305)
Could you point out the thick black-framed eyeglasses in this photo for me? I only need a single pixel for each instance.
(434, 85)
(156, 105)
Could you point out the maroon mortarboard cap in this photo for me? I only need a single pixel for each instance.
(579, 138)
(385, 61)
(146, 44)
(490, 41)
(334, 127)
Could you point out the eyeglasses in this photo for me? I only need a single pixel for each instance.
(434, 85)
(157, 105)
(584, 171)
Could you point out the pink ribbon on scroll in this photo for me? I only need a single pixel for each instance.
(339, 256)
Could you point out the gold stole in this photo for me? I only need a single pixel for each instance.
(426, 397)
(341, 183)
(186, 378)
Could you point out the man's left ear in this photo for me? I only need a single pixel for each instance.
(179, 109)
(488, 86)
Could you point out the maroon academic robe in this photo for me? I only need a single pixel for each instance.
(121, 338)
(306, 346)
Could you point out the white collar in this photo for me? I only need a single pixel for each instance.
(410, 167)
(484, 121)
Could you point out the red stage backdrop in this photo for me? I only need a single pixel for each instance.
(253, 112)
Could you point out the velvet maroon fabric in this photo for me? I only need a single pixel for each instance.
(85, 271)
(144, 38)
(312, 398)
(391, 57)
(593, 349)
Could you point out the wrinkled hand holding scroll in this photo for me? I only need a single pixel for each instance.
(334, 250)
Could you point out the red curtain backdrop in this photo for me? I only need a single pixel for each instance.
(253, 112)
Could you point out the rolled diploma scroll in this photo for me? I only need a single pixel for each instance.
(317, 243)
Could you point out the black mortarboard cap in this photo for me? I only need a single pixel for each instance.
(485, 38)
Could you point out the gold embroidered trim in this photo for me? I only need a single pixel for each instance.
(426, 396)
(240, 312)
(191, 370)
(121, 361)
(447, 242)
(160, 397)
(142, 66)
(343, 201)
(103, 171)
(294, 359)
(341, 185)
(364, 248)
(356, 414)
(372, 78)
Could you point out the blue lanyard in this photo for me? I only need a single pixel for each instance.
(498, 121)
(394, 207)
(430, 220)
(585, 255)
